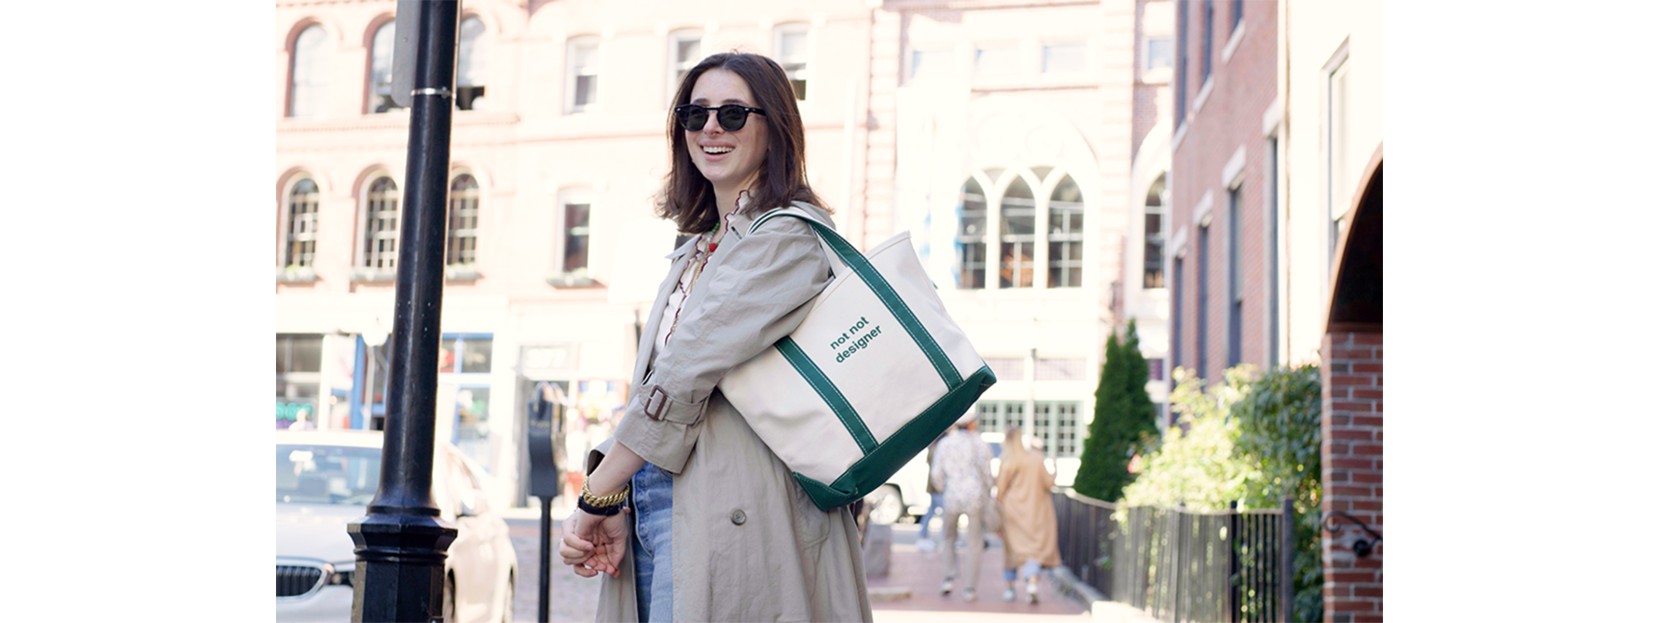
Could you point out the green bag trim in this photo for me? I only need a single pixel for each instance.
(873, 470)
(884, 291)
(828, 391)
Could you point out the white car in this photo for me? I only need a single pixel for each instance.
(325, 480)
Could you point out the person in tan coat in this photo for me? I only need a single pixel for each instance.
(1030, 533)
(688, 515)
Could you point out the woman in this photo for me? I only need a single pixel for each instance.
(1030, 535)
(718, 529)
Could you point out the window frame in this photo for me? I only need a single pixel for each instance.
(456, 236)
(574, 72)
(1236, 290)
(562, 273)
(961, 242)
(303, 238)
(470, 57)
(1004, 238)
(1074, 266)
(678, 67)
(315, 85)
(803, 62)
(379, 97)
(371, 255)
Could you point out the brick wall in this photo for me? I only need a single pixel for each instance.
(1351, 453)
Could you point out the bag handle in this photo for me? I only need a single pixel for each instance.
(856, 263)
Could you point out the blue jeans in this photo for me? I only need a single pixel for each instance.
(653, 493)
(936, 505)
(1026, 570)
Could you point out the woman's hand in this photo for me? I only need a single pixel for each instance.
(593, 544)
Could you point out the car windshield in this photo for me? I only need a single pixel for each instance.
(315, 474)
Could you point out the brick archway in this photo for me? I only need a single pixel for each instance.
(1351, 446)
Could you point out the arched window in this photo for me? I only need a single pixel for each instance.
(971, 237)
(462, 249)
(380, 70)
(1017, 213)
(469, 64)
(1152, 261)
(1066, 235)
(380, 230)
(301, 235)
(307, 74)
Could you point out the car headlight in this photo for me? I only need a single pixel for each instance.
(340, 574)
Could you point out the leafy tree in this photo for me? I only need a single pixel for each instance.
(1125, 420)
(1195, 465)
(1279, 433)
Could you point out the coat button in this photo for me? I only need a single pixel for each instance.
(738, 518)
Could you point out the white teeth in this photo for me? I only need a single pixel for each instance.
(716, 150)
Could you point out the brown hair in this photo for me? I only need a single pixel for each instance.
(688, 199)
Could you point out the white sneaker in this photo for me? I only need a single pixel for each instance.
(968, 595)
(1031, 595)
(945, 587)
(1008, 594)
(925, 545)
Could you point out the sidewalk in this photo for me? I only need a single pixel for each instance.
(911, 590)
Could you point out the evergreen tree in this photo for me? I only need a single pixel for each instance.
(1124, 420)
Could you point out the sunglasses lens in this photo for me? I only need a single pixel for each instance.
(692, 118)
(732, 117)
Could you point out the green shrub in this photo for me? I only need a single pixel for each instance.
(1125, 420)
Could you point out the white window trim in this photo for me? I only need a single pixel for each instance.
(1043, 48)
(1204, 93)
(571, 73)
(1233, 172)
(359, 271)
(1160, 75)
(807, 60)
(1177, 250)
(672, 41)
(1233, 44)
(1201, 210)
(559, 273)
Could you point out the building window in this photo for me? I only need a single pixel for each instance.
(380, 69)
(999, 416)
(1159, 54)
(971, 237)
(1202, 321)
(574, 236)
(790, 50)
(1207, 40)
(1017, 215)
(1155, 369)
(582, 74)
(380, 230)
(299, 372)
(461, 251)
(469, 64)
(1337, 146)
(996, 61)
(464, 363)
(1236, 291)
(1181, 62)
(1064, 58)
(1152, 260)
(1272, 188)
(1066, 235)
(301, 247)
(1177, 312)
(927, 64)
(685, 50)
(308, 75)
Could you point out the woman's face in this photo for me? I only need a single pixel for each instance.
(731, 161)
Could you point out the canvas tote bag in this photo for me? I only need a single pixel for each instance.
(872, 376)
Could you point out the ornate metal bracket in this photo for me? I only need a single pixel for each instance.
(1362, 546)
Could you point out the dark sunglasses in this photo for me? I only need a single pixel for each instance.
(731, 117)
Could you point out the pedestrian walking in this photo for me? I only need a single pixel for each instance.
(1031, 536)
(716, 527)
(936, 500)
(962, 469)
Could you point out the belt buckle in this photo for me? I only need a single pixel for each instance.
(663, 405)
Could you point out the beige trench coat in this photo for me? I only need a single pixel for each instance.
(1029, 528)
(748, 544)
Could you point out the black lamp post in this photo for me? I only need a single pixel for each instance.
(401, 543)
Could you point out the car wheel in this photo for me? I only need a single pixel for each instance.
(507, 606)
(449, 599)
(884, 505)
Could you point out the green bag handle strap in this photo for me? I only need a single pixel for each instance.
(861, 267)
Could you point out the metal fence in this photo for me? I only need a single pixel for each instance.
(1181, 565)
